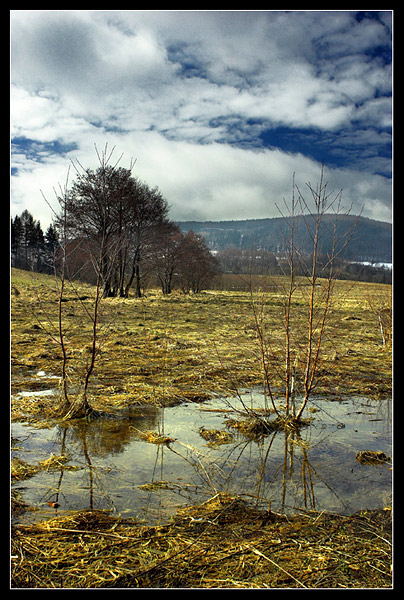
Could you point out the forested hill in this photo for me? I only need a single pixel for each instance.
(371, 240)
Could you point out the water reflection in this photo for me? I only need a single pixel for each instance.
(109, 436)
(313, 468)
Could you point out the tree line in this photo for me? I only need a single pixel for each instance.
(263, 262)
(186, 264)
(31, 249)
(114, 228)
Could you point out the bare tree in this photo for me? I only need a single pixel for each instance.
(312, 275)
(166, 248)
(381, 307)
(197, 266)
(145, 211)
(94, 213)
(74, 218)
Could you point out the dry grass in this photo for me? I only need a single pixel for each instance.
(160, 351)
(153, 437)
(20, 469)
(223, 543)
(372, 457)
(215, 437)
(255, 426)
(164, 350)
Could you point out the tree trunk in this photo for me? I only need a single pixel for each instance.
(138, 288)
(80, 408)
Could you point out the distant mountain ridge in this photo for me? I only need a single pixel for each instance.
(371, 240)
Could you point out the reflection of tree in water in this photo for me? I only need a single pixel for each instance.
(275, 470)
(304, 486)
(109, 435)
(279, 469)
(99, 438)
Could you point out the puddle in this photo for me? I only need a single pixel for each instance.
(38, 393)
(47, 375)
(121, 472)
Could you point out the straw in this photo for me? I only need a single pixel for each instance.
(222, 543)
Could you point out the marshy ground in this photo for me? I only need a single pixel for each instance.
(167, 349)
(162, 351)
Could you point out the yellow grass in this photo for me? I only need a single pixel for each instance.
(223, 543)
(163, 350)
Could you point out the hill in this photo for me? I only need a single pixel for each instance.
(371, 240)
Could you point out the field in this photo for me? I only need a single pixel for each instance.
(165, 350)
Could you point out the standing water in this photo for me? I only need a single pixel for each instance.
(111, 466)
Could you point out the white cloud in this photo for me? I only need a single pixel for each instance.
(211, 181)
(32, 178)
(376, 112)
(85, 77)
(249, 69)
(41, 116)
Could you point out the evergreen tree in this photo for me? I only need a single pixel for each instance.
(16, 241)
(28, 238)
(27, 242)
(38, 247)
(51, 246)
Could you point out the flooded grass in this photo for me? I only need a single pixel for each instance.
(372, 457)
(21, 470)
(222, 542)
(256, 427)
(171, 488)
(154, 438)
(216, 437)
(188, 452)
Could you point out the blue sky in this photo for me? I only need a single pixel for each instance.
(219, 108)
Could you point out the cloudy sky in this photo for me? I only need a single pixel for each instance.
(218, 108)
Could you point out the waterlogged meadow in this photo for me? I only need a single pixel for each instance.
(162, 350)
(175, 461)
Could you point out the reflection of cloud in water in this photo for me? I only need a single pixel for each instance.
(315, 468)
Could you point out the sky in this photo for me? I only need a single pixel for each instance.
(218, 108)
